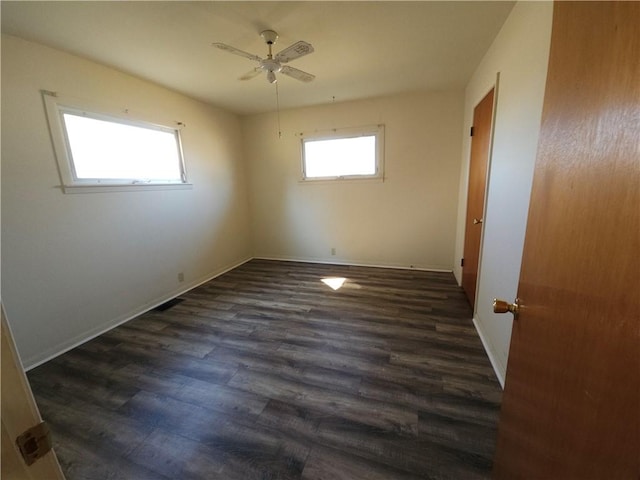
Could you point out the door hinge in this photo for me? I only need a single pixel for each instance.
(34, 443)
(462, 262)
(471, 132)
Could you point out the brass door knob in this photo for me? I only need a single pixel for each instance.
(500, 306)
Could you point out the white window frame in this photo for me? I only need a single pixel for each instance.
(57, 106)
(352, 132)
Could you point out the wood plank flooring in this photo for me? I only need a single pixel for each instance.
(267, 373)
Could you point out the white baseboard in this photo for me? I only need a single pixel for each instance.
(355, 264)
(499, 369)
(53, 352)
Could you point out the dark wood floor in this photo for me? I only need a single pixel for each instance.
(267, 373)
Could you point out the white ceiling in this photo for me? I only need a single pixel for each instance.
(362, 49)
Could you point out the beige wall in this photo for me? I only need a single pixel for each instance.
(74, 265)
(407, 220)
(520, 54)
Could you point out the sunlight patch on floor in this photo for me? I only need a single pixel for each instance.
(334, 282)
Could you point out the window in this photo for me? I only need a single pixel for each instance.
(343, 154)
(103, 152)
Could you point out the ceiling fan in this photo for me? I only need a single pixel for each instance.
(273, 64)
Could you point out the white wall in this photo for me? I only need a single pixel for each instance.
(520, 53)
(75, 264)
(407, 220)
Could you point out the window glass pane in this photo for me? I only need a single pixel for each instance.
(340, 157)
(110, 150)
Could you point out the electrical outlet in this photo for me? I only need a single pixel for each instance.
(181, 277)
(333, 251)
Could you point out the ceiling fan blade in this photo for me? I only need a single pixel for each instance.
(251, 74)
(294, 51)
(297, 74)
(236, 51)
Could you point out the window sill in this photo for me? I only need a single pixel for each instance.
(342, 180)
(119, 187)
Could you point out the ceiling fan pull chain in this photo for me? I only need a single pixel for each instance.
(278, 110)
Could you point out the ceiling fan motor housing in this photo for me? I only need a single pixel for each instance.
(270, 65)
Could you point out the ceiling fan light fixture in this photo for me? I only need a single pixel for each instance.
(271, 77)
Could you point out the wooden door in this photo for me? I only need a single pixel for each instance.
(19, 412)
(480, 144)
(571, 403)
